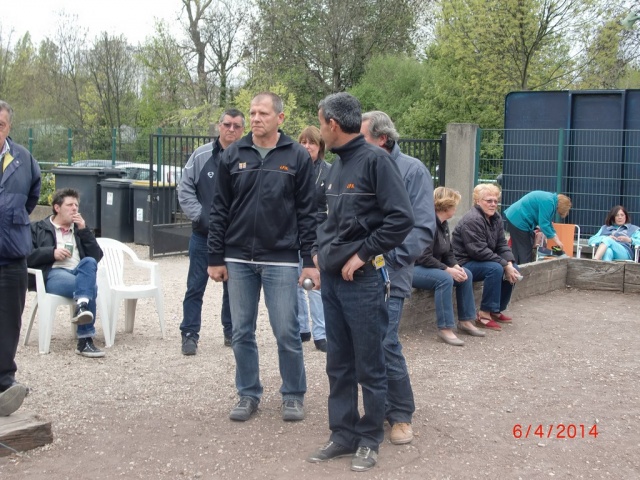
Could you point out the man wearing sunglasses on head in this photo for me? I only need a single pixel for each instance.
(195, 192)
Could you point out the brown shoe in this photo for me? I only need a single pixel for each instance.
(401, 433)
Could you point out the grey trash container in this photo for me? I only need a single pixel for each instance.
(116, 210)
(164, 201)
(86, 180)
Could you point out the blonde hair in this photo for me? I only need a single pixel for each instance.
(445, 198)
(483, 189)
(564, 205)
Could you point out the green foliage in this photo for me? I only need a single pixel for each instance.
(391, 84)
(47, 188)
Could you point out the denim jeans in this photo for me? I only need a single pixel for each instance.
(442, 284)
(197, 279)
(13, 290)
(496, 292)
(356, 322)
(400, 405)
(317, 312)
(77, 283)
(279, 284)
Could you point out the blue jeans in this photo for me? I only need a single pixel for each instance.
(356, 321)
(399, 406)
(442, 284)
(279, 284)
(317, 312)
(496, 292)
(197, 279)
(77, 283)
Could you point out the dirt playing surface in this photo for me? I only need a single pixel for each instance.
(146, 411)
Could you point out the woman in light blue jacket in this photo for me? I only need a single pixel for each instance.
(614, 237)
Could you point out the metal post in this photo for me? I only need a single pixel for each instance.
(69, 146)
(443, 160)
(113, 147)
(560, 165)
(31, 140)
(477, 159)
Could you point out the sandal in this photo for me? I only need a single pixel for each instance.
(501, 317)
(488, 323)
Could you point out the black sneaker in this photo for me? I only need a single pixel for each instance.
(189, 344)
(11, 399)
(227, 341)
(246, 407)
(82, 315)
(364, 459)
(321, 344)
(328, 451)
(292, 410)
(305, 336)
(86, 348)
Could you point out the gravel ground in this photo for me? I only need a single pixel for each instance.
(146, 411)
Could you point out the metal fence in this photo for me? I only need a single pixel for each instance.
(597, 169)
(430, 152)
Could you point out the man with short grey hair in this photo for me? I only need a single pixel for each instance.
(378, 129)
(369, 213)
(195, 194)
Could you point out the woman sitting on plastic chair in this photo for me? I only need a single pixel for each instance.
(614, 240)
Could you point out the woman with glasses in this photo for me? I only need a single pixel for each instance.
(613, 240)
(480, 246)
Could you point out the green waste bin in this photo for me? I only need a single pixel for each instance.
(116, 210)
(163, 197)
(86, 180)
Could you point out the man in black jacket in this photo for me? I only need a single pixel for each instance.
(19, 192)
(68, 254)
(263, 219)
(369, 214)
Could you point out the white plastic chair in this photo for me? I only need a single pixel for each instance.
(46, 306)
(111, 282)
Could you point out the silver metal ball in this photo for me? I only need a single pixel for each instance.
(308, 284)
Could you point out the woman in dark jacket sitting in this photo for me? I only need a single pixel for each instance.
(480, 246)
(437, 270)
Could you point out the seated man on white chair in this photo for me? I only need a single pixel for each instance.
(68, 254)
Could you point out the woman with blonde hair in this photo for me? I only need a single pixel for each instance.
(437, 269)
(481, 247)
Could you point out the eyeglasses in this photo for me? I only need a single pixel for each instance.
(229, 125)
(490, 202)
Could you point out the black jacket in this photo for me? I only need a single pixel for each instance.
(440, 253)
(43, 235)
(320, 171)
(263, 210)
(478, 238)
(369, 208)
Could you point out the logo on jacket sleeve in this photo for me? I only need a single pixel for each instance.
(210, 174)
(242, 165)
(284, 168)
(351, 186)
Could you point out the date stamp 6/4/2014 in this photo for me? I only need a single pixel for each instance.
(560, 431)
